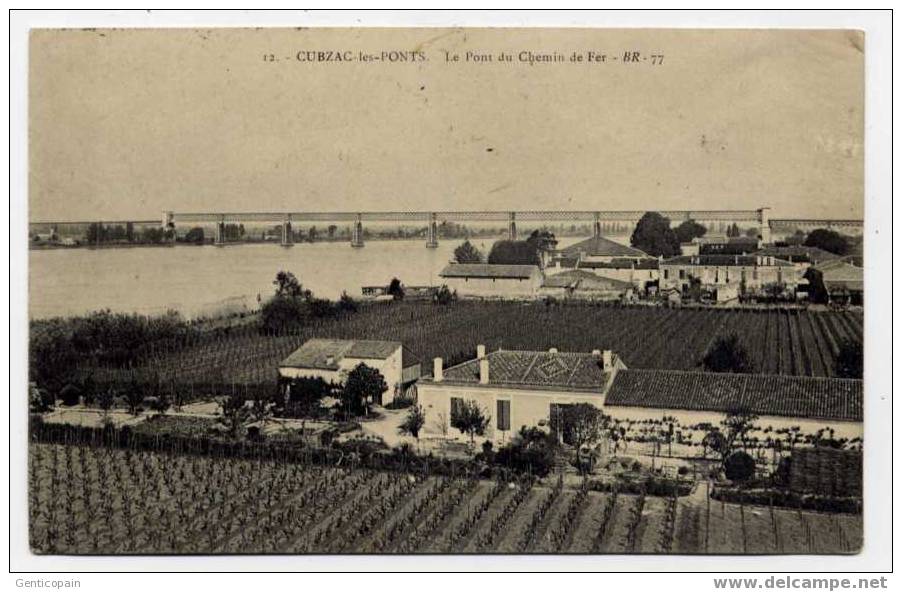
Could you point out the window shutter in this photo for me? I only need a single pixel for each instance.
(504, 415)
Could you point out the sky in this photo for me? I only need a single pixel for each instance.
(126, 123)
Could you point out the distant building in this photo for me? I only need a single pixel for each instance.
(487, 280)
(800, 256)
(843, 282)
(728, 273)
(333, 359)
(530, 388)
(727, 245)
(580, 283)
(600, 249)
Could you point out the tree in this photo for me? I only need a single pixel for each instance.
(195, 236)
(583, 424)
(288, 286)
(739, 421)
(233, 414)
(850, 359)
(331, 230)
(304, 397)
(395, 289)
(751, 232)
(733, 230)
(105, 400)
(817, 291)
(689, 230)
(39, 399)
(508, 252)
(543, 240)
(739, 466)
(467, 253)
(363, 386)
(727, 354)
(134, 397)
(413, 423)
(346, 303)
(70, 395)
(797, 238)
(654, 235)
(469, 418)
(161, 403)
(444, 295)
(828, 240)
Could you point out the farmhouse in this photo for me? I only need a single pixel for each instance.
(528, 388)
(728, 273)
(332, 359)
(810, 403)
(515, 388)
(483, 279)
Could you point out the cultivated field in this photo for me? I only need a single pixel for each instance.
(108, 501)
(788, 342)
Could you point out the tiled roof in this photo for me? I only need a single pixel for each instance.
(844, 285)
(600, 246)
(621, 263)
(799, 253)
(579, 279)
(789, 396)
(723, 261)
(325, 354)
(486, 270)
(530, 369)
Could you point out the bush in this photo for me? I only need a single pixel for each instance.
(531, 451)
(71, 395)
(739, 466)
(788, 499)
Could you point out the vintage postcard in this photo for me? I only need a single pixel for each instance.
(445, 291)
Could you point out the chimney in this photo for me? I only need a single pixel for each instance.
(480, 352)
(553, 350)
(607, 360)
(437, 372)
(483, 370)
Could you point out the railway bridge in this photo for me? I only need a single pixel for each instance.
(432, 219)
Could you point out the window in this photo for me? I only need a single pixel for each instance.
(682, 274)
(666, 274)
(456, 403)
(503, 415)
(755, 273)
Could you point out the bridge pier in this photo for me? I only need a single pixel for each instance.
(219, 236)
(432, 232)
(287, 236)
(357, 233)
(512, 226)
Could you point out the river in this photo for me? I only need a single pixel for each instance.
(208, 280)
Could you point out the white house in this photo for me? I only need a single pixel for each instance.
(528, 388)
(516, 388)
(333, 359)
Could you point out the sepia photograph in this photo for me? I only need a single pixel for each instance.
(446, 291)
